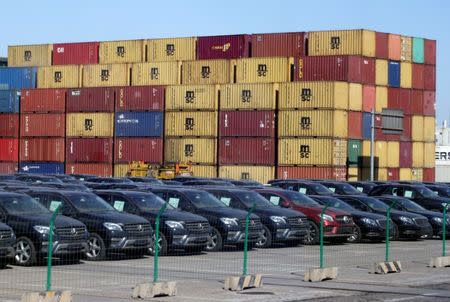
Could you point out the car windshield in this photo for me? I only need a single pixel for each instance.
(411, 205)
(250, 198)
(321, 189)
(17, 205)
(336, 203)
(204, 200)
(375, 204)
(425, 192)
(148, 202)
(349, 189)
(86, 203)
(300, 199)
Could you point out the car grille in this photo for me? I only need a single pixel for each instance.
(344, 219)
(251, 226)
(382, 223)
(137, 229)
(4, 235)
(297, 222)
(197, 227)
(71, 232)
(421, 221)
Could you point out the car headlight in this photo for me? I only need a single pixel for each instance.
(174, 224)
(369, 221)
(438, 220)
(229, 221)
(278, 219)
(41, 229)
(327, 217)
(406, 220)
(112, 226)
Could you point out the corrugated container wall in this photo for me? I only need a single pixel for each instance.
(354, 151)
(106, 75)
(9, 125)
(256, 151)
(192, 97)
(248, 96)
(155, 73)
(355, 124)
(121, 170)
(394, 74)
(429, 150)
(429, 127)
(394, 43)
(337, 173)
(42, 124)
(149, 150)
(75, 53)
(247, 123)
(381, 72)
(121, 51)
(41, 168)
(18, 77)
(406, 49)
(42, 149)
(9, 101)
(262, 70)
(381, 45)
(8, 168)
(172, 49)
(30, 55)
(204, 171)
(43, 100)
(430, 51)
(96, 99)
(261, 174)
(195, 150)
(139, 98)
(223, 47)
(90, 124)
(341, 42)
(405, 75)
(85, 150)
(193, 123)
(143, 124)
(381, 98)
(206, 72)
(418, 50)
(99, 169)
(278, 45)
(63, 76)
(9, 149)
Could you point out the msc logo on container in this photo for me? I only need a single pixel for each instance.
(304, 151)
(189, 150)
(189, 97)
(88, 124)
(189, 124)
(104, 75)
(305, 122)
(262, 70)
(57, 77)
(206, 71)
(306, 95)
(246, 95)
(154, 73)
(120, 51)
(335, 42)
(245, 175)
(170, 49)
(27, 55)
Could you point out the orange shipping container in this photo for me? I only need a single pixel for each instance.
(394, 44)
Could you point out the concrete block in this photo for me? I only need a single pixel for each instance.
(386, 267)
(234, 283)
(151, 290)
(50, 296)
(440, 261)
(321, 274)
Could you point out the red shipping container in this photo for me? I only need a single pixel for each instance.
(99, 169)
(75, 53)
(83, 150)
(149, 150)
(368, 98)
(9, 125)
(97, 99)
(43, 100)
(278, 45)
(253, 151)
(417, 102)
(399, 98)
(8, 168)
(337, 173)
(405, 154)
(223, 47)
(417, 76)
(429, 103)
(139, 98)
(42, 149)
(42, 124)
(405, 136)
(9, 149)
(393, 174)
(429, 77)
(430, 51)
(247, 123)
(429, 174)
(355, 69)
(355, 124)
(382, 45)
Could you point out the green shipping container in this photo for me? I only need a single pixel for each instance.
(418, 55)
(354, 151)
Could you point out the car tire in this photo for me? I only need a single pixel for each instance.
(25, 252)
(356, 236)
(312, 236)
(3, 263)
(163, 246)
(266, 238)
(215, 242)
(97, 248)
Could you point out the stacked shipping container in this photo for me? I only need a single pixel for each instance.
(9, 130)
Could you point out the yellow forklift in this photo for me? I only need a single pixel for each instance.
(166, 171)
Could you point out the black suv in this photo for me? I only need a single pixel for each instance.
(417, 193)
(341, 188)
(304, 187)
(110, 230)
(279, 224)
(227, 224)
(440, 189)
(178, 229)
(363, 186)
(7, 239)
(30, 222)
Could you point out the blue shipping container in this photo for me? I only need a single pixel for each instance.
(143, 124)
(366, 125)
(41, 168)
(394, 74)
(10, 101)
(18, 77)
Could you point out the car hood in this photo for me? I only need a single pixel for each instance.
(176, 216)
(114, 217)
(274, 211)
(4, 227)
(397, 213)
(225, 212)
(44, 219)
(429, 214)
(362, 214)
(318, 209)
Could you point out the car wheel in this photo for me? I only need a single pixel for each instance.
(312, 234)
(162, 245)
(97, 250)
(356, 236)
(265, 240)
(25, 252)
(215, 241)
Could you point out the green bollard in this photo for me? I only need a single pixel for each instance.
(444, 229)
(247, 220)
(388, 229)
(321, 235)
(50, 249)
(155, 244)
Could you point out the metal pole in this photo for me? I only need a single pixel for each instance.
(321, 235)
(372, 145)
(388, 229)
(50, 249)
(155, 243)
(247, 220)
(444, 230)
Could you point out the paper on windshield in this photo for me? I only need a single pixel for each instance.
(225, 200)
(302, 190)
(118, 205)
(332, 189)
(275, 200)
(408, 194)
(360, 189)
(174, 202)
(54, 204)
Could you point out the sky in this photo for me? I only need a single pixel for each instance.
(46, 21)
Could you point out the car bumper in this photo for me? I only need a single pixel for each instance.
(7, 252)
(416, 232)
(236, 237)
(182, 241)
(289, 234)
(338, 231)
(125, 243)
(66, 248)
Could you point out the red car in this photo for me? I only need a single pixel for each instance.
(338, 225)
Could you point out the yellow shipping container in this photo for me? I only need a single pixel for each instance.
(62, 76)
(192, 97)
(406, 49)
(121, 51)
(172, 49)
(323, 123)
(106, 75)
(261, 174)
(405, 174)
(381, 98)
(405, 75)
(382, 174)
(206, 72)
(121, 170)
(248, 96)
(379, 174)
(417, 124)
(381, 72)
(355, 97)
(429, 126)
(381, 153)
(195, 150)
(191, 123)
(89, 124)
(417, 154)
(30, 55)
(393, 154)
(429, 150)
(312, 151)
(342, 42)
(262, 70)
(204, 171)
(417, 174)
(353, 174)
(301, 95)
(156, 73)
